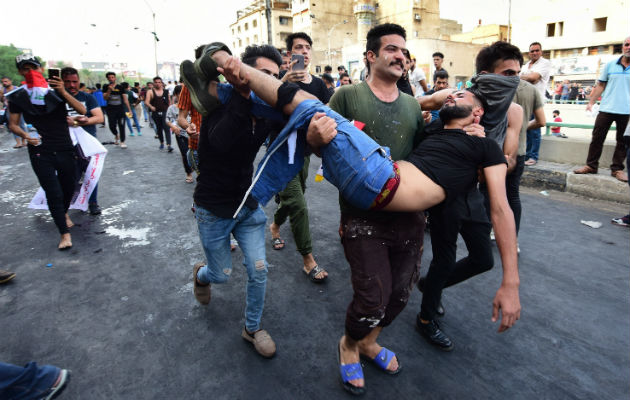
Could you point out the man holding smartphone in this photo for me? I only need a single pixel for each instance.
(292, 202)
(93, 116)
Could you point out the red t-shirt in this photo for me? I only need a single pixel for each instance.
(556, 129)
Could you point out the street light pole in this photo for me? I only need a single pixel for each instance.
(345, 21)
(155, 38)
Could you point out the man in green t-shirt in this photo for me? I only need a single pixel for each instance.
(383, 248)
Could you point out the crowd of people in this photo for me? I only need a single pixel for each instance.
(449, 158)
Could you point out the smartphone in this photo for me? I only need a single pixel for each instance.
(299, 66)
(54, 72)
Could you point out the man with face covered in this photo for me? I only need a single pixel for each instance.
(52, 154)
(443, 167)
(498, 66)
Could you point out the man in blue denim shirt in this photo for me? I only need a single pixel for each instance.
(229, 141)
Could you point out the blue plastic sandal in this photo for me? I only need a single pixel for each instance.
(350, 372)
(383, 358)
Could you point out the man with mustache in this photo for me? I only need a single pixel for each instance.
(383, 249)
(441, 168)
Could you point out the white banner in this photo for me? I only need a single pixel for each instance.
(91, 148)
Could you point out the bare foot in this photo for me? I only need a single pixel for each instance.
(69, 222)
(65, 242)
(371, 350)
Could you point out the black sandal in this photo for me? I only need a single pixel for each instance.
(316, 270)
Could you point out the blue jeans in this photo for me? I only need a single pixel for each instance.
(147, 115)
(135, 121)
(28, 382)
(249, 229)
(533, 144)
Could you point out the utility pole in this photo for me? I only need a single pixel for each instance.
(268, 16)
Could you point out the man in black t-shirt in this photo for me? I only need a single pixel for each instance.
(93, 116)
(229, 140)
(52, 153)
(117, 103)
(292, 202)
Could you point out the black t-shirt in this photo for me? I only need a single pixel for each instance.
(52, 127)
(90, 103)
(317, 88)
(451, 159)
(115, 96)
(404, 86)
(228, 143)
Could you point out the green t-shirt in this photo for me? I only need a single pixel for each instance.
(527, 97)
(398, 125)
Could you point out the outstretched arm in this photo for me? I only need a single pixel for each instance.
(265, 86)
(434, 101)
(506, 299)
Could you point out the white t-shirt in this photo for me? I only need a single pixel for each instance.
(543, 67)
(415, 77)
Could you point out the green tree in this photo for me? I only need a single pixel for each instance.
(7, 63)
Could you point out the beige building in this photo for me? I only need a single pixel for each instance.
(578, 37)
(426, 34)
(251, 25)
(482, 34)
(330, 24)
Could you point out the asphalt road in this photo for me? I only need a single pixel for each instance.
(118, 308)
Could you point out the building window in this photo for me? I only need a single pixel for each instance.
(255, 38)
(232, 31)
(284, 21)
(246, 26)
(240, 43)
(247, 41)
(416, 17)
(617, 48)
(318, 69)
(234, 43)
(560, 28)
(239, 29)
(415, 33)
(254, 23)
(551, 30)
(599, 24)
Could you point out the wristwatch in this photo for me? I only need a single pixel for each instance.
(74, 123)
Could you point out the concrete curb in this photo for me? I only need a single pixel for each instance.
(556, 176)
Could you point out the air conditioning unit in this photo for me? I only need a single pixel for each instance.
(417, 17)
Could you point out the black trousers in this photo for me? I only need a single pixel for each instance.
(159, 118)
(384, 258)
(182, 143)
(116, 120)
(600, 130)
(464, 215)
(57, 175)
